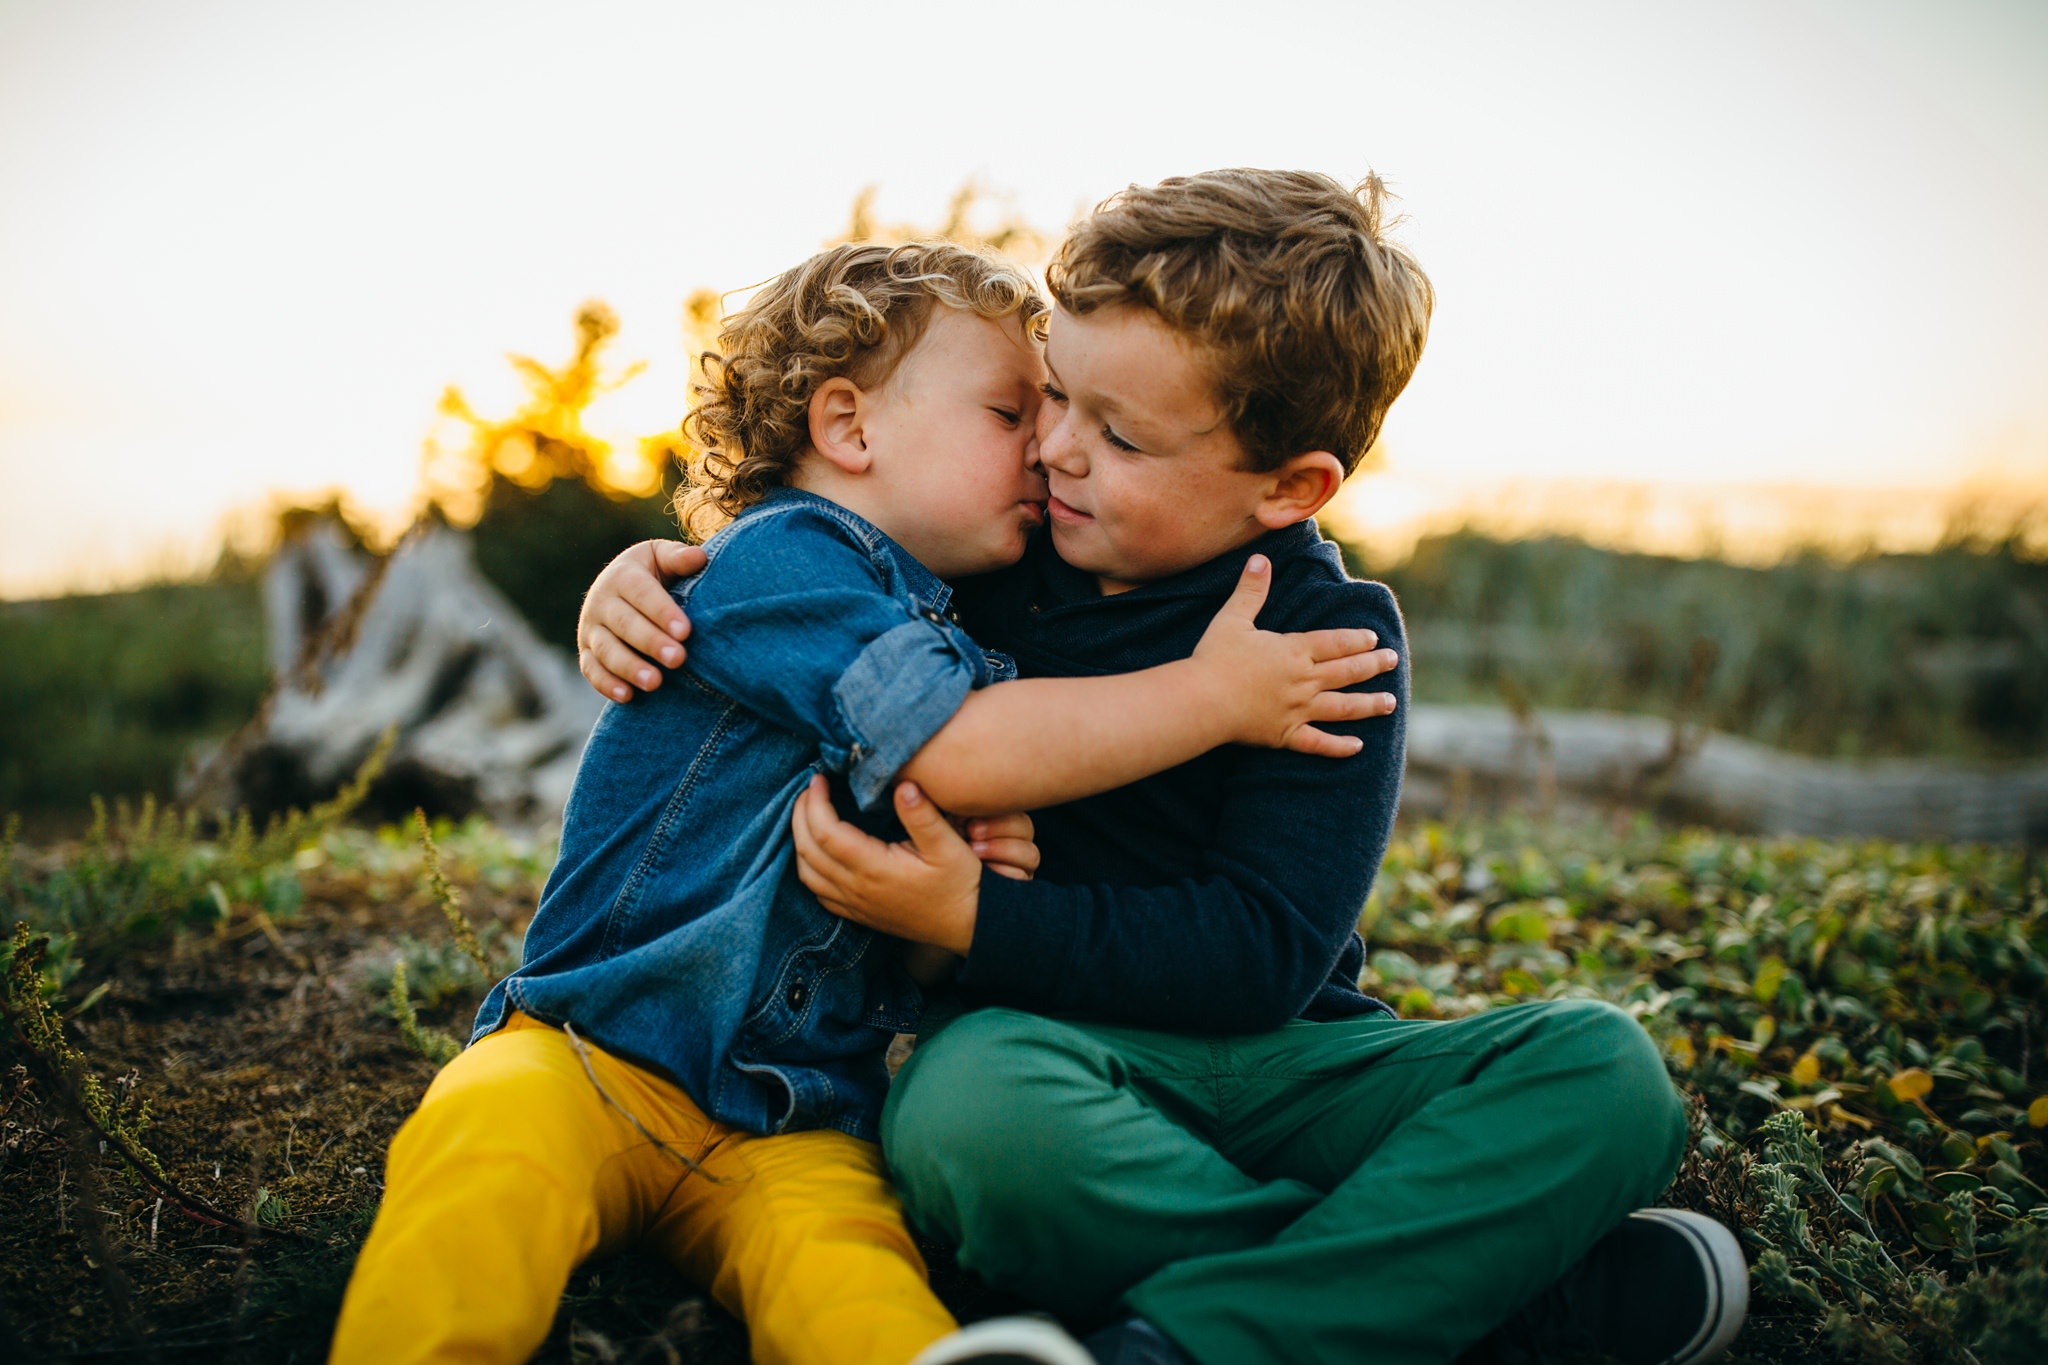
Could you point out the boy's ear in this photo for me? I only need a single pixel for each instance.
(836, 413)
(1298, 489)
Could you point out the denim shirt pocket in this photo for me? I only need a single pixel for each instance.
(810, 982)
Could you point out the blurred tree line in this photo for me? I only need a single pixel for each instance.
(1942, 653)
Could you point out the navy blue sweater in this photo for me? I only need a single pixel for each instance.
(1221, 896)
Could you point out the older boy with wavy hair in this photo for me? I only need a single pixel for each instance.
(1167, 1098)
(690, 1055)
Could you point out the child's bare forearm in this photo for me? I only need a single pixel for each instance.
(1041, 741)
(1044, 741)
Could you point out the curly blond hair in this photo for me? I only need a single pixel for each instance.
(853, 311)
(1312, 321)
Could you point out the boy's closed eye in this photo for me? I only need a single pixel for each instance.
(1054, 394)
(1109, 435)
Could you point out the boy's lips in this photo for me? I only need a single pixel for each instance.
(1034, 513)
(1071, 516)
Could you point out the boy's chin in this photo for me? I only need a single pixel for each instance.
(991, 562)
(1075, 549)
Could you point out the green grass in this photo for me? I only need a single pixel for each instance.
(1862, 1029)
(1944, 653)
(106, 695)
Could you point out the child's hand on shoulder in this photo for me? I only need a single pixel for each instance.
(629, 623)
(1276, 687)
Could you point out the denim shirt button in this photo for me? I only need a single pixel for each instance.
(932, 616)
(796, 995)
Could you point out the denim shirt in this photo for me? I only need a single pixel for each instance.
(673, 929)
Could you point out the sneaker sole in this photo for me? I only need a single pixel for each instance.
(1006, 1341)
(1727, 1278)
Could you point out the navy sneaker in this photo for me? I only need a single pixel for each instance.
(1134, 1341)
(1667, 1287)
(1006, 1341)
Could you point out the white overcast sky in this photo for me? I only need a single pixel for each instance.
(244, 245)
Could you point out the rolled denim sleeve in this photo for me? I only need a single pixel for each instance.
(899, 692)
(797, 620)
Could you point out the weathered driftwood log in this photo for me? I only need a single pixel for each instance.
(1486, 752)
(487, 717)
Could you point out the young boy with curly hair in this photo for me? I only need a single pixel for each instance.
(689, 1057)
(1166, 1104)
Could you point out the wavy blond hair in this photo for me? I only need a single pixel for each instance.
(852, 311)
(1312, 321)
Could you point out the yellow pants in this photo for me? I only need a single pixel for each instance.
(516, 1168)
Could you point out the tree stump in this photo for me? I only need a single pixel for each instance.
(487, 717)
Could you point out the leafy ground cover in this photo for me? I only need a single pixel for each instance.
(1860, 1028)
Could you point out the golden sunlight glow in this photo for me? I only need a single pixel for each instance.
(1387, 511)
(1712, 277)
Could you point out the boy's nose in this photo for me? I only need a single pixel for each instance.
(1057, 449)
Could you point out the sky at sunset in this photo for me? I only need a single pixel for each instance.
(1700, 250)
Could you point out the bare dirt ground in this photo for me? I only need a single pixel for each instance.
(274, 1081)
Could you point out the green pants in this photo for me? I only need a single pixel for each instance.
(1374, 1190)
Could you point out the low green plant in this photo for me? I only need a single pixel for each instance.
(447, 897)
(462, 965)
(137, 875)
(28, 1004)
(142, 871)
(2004, 1309)
(432, 1044)
(1864, 1024)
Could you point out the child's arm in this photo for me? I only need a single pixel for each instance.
(1241, 943)
(797, 621)
(1001, 845)
(629, 623)
(926, 890)
(1038, 742)
(1041, 741)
